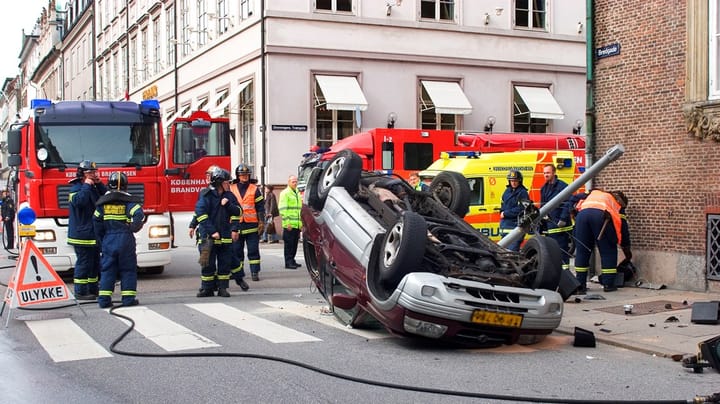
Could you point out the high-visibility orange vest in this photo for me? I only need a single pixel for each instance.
(604, 201)
(247, 202)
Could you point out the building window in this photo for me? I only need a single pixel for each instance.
(523, 121)
(438, 10)
(246, 9)
(247, 124)
(223, 20)
(156, 45)
(714, 51)
(170, 35)
(334, 5)
(185, 21)
(429, 116)
(143, 55)
(531, 14)
(202, 30)
(334, 120)
(133, 61)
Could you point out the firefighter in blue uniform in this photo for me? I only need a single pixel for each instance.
(510, 207)
(251, 224)
(600, 222)
(557, 224)
(217, 212)
(86, 188)
(118, 215)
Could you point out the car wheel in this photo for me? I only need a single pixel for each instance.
(452, 190)
(311, 189)
(343, 171)
(403, 248)
(545, 267)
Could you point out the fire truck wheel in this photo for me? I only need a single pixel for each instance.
(343, 171)
(545, 268)
(403, 249)
(453, 191)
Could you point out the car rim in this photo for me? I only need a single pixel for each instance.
(392, 246)
(331, 173)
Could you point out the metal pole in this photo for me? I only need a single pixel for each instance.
(611, 155)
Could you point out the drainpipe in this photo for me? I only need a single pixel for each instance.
(94, 55)
(263, 84)
(589, 85)
(175, 61)
(127, 49)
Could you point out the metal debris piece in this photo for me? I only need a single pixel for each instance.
(672, 319)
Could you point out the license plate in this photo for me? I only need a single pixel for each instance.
(494, 318)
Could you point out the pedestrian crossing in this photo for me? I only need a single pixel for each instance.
(65, 340)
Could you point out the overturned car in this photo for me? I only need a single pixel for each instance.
(380, 251)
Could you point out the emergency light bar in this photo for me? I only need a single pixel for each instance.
(40, 103)
(151, 104)
(453, 154)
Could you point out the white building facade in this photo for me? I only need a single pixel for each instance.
(291, 74)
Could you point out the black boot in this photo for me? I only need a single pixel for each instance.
(222, 292)
(205, 293)
(609, 283)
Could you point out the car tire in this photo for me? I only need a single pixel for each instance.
(545, 268)
(311, 189)
(343, 171)
(403, 249)
(453, 191)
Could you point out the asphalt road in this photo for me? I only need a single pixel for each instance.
(274, 344)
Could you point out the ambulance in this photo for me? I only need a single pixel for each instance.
(486, 175)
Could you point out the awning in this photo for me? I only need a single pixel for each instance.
(231, 99)
(342, 93)
(447, 97)
(540, 102)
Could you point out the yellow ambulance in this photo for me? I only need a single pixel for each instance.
(486, 174)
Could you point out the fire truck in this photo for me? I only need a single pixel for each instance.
(402, 151)
(194, 143)
(45, 150)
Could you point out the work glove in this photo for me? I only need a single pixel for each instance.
(261, 226)
(206, 244)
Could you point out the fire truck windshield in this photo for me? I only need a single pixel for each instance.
(110, 145)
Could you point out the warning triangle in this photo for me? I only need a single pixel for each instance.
(34, 280)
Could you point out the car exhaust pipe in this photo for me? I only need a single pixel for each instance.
(611, 155)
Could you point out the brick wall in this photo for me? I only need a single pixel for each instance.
(671, 179)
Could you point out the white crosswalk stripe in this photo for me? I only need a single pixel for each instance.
(65, 341)
(252, 324)
(164, 332)
(315, 313)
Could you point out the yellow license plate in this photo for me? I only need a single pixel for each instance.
(494, 318)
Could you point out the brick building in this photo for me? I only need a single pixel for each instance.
(655, 90)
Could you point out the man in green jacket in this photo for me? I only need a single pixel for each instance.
(289, 206)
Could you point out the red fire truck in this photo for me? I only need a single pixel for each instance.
(44, 153)
(194, 143)
(402, 151)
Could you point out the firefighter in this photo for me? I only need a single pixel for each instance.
(251, 225)
(557, 224)
(217, 212)
(86, 188)
(118, 215)
(510, 207)
(599, 222)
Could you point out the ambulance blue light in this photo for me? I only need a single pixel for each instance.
(152, 104)
(567, 163)
(39, 103)
(470, 154)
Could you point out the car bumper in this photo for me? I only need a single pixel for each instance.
(450, 303)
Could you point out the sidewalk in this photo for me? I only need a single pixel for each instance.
(645, 329)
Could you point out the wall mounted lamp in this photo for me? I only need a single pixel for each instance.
(489, 124)
(579, 27)
(487, 18)
(391, 119)
(577, 127)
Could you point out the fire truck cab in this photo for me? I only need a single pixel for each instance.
(46, 149)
